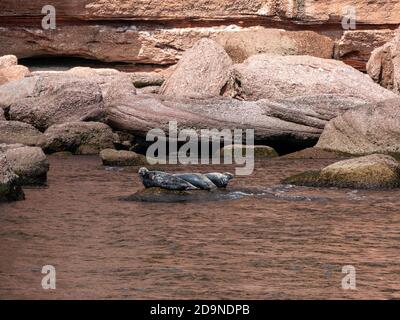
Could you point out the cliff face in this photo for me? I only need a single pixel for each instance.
(368, 12)
(156, 32)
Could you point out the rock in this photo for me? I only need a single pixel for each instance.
(78, 138)
(10, 189)
(243, 43)
(29, 163)
(19, 132)
(8, 61)
(10, 70)
(121, 158)
(375, 171)
(315, 153)
(373, 128)
(13, 73)
(384, 65)
(202, 71)
(146, 79)
(281, 124)
(141, 113)
(163, 195)
(261, 152)
(44, 101)
(296, 11)
(149, 90)
(158, 195)
(152, 45)
(280, 77)
(2, 116)
(108, 79)
(355, 46)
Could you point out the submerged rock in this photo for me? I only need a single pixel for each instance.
(78, 137)
(372, 128)
(261, 152)
(19, 132)
(10, 188)
(29, 163)
(375, 171)
(203, 70)
(121, 158)
(159, 195)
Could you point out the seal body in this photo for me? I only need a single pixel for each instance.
(197, 179)
(221, 180)
(163, 180)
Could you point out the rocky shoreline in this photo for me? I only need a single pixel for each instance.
(293, 101)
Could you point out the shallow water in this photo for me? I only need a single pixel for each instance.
(268, 241)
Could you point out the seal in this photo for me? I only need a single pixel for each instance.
(197, 179)
(221, 180)
(163, 180)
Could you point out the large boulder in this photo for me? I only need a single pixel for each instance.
(10, 188)
(121, 158)
(43, 101)
(29, 163)
(107, 79)
(13, 73)
(384, 64)
(8, 60)
(372, 128)
(369, 172)
(2, 116)
(203, 70)
(78, 137)
(279, 77)
(270, 120)
(19, 132)
(355, 46)
(10, 70)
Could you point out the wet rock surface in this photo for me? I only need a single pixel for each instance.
(78, 137)
(19, 132)
(29, 163)
(121, 158)
(370, 172)
(10, 189)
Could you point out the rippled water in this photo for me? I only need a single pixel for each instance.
(267, 241)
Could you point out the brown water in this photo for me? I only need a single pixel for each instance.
(273, 242)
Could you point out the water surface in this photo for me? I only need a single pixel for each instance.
(267, 242)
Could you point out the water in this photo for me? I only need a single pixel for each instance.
(266, 241)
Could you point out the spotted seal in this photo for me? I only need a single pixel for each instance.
(198, 180)
(163, 180)
(221, 180)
